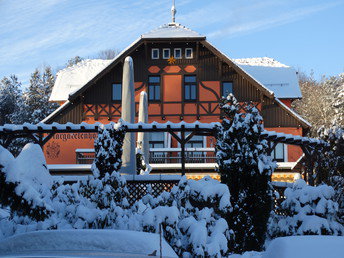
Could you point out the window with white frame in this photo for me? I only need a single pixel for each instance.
(155, 53)
(166, 53)
(178, 53)
(188, 53)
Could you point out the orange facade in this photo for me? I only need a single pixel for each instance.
(61, 149)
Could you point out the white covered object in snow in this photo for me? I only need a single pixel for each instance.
(72, 78)
(105, 242)
(279, 78)
(306, 247)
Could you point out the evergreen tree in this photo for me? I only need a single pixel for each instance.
(307, 210)
(37, 105)
(108, 150)
(19, 192)
(10, 99)
(246, 168)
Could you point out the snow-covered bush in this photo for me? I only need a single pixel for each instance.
(25, 182)
(309, 210)
(191, 216)
(246, 168)
(93, 202)
(108, 149)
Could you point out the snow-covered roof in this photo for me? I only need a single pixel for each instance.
(172, 30)
(259, 61)
(279, 78)
(72, 78)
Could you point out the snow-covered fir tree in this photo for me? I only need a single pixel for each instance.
(25, 189)
(36, 97)
(246, 168)
(308, 210)
(329, 165)
(10, 99)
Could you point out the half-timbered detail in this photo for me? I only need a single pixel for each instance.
(185, 77)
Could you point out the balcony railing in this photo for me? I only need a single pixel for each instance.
(160, 155)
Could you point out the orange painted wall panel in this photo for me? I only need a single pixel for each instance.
(172, 87)
(208, 95)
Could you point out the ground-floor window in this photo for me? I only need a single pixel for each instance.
(278, 154)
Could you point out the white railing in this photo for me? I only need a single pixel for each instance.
(160, 155)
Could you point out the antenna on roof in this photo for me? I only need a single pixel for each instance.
(173, 12)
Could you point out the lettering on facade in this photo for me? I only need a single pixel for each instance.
(75, 136)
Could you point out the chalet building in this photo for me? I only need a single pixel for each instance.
(185, 77)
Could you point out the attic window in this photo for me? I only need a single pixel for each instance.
(166, 53)
(178, 53)
(155, 53)
(188, 53)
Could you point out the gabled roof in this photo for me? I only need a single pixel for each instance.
(171, 30)
(279, 78)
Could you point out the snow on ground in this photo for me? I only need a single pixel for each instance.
(306, 247)
(118, 241)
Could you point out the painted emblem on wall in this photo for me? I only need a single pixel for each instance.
(53, 150)
(171, 60)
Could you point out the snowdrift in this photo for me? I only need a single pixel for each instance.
(306, 247)
(87, 241)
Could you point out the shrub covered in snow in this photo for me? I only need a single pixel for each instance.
(108, 149)
(309, 210)
(94, 201)
(246, 168)
(25, 182)
(191, 217)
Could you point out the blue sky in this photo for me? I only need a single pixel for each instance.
(306, 34)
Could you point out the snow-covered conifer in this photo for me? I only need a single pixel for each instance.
(25, 188)
(191, 217)
(309, 210)
(246, 168)
(10, 99)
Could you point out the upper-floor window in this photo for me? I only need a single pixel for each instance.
(278, 153)
(190, 88)
(166, 53)
(178, 53)
(117, 91)
(227, 87)
(155, 53)
(154, 88)
(188, 53)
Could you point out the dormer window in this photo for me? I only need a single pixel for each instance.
(188, 53)
(155, 53)
(178, 53)
(166, 53)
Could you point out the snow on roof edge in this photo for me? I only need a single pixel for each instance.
(268, 90)
(56, 111)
